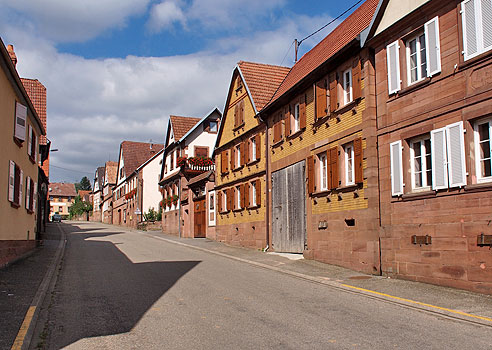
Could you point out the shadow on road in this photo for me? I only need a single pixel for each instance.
(101, 292)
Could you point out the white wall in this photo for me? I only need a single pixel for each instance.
(396, 10)
(150, 175)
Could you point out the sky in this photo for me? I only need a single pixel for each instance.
(116, 69)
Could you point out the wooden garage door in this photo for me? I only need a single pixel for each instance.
(289, 209)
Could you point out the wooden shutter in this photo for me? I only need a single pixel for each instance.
(470, 35)
(223, 162)
(321, 101)
(35, 197)
(334, 167)
(432, 46)
(243, 195)
(356, 76)
(456, 154)
(258, 192)
(219, 200)
(21, 183)
(396, 168)
(359, 177)
(302, 112)
(236, 115)
(241, 112)
(11, 180)
(230, 199)
(393, 64)
(258, 146)
(287, 119)
(28, 193)
(244, 153)
(29, 141)
(246, 195)
(310, 172)
(249, 149)
(233, 157)
(333, 93)
(438, 156)
(328, 169)
(34, 147)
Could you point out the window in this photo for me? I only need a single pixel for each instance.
(16, 176)
(171, 161)
(477, 27)
(483, 150)
(349, 164)
(31, 144)
(20, 122)
(323, 168)
(237, 161)
(253, 148)
(122, 172)
(237, 198)
(421, 163)
(296, 118)
(213, 126)
(31, 194)
(201, 151)
(416, 59)
(347, 86)
(253, 194)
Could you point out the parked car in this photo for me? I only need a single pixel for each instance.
(56, 217)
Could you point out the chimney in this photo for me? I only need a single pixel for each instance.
(13, 57)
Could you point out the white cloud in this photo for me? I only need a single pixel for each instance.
(164, 15)
(72, 20)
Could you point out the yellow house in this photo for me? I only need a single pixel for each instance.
(21, 130)
(322, 150)
(240, 156)
(62, 196)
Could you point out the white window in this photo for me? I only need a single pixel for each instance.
(483, 150)
(297, 125)
(213, 126)
(323, 167)
(224, 201)
(421, 163)
(349, 164)
(238, 156)
(416, 58)
(238, 197)
(347, 86)
(253, 194)
(20, 121)
(253, 148)
(211, 209)
(477, 27)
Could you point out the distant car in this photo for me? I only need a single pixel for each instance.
(56, 217)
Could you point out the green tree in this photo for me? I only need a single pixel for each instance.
(79, 207)
(84, 185)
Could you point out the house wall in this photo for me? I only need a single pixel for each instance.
(396, 10)
(17, 224)
(151, 176)
(452, 217)
(329, 213)
(244, 227)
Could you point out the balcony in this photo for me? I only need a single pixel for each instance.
(195, 165)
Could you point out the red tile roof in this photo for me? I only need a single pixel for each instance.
(62, 189)
(181, 125)
(111, 170)
(137, 153)
(262, 80)
(348, 30)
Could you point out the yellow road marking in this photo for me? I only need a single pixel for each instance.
(19, 340)
(420, 303)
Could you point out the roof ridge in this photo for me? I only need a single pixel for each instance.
(264, 64)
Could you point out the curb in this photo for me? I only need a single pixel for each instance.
(407, 303)
(34, 309)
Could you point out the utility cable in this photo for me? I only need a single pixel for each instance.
(75, 171)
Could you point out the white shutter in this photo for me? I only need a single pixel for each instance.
(11, 180)
(29, 142)
(456, 154)
(470, 39)
(20, 187)
(396, 168)
(393, 61)
(438, 156)
(486, 24)
(432, 44)
(35, 201)
(20, 121)
(28, 192)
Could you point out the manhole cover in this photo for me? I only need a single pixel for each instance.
(359, 277)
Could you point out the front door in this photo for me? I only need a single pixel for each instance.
(289, 209)
(199, 229)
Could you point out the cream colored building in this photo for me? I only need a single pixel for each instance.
(62, 196)
(21, 130)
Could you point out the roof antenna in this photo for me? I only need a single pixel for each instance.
(296, 47)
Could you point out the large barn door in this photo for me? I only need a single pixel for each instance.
(289, 209)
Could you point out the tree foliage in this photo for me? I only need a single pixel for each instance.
(152, 215)
(79, 207)
(84, 185)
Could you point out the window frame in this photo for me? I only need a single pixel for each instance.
(418, 53)
(348, 160)
(252, 197)
(348, 96)
(237, 197)
(237, 156)
(476, 141)
(252, 143)
(297, 118)
(421, 140)
(323, 171)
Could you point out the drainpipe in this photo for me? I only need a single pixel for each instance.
(267, 188)
(179, 203)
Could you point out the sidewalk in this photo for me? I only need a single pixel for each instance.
(449, 302)
(19, 284)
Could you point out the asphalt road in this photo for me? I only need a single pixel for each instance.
(126, 290)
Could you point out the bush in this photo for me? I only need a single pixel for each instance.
(151, 215)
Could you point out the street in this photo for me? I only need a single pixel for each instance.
(122, 289)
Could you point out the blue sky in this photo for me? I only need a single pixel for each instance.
(116, 69)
